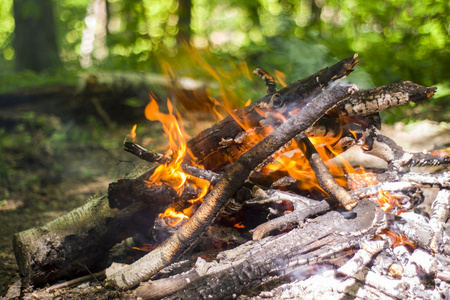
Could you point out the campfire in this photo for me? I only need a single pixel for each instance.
(261, 205)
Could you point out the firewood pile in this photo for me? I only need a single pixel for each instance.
(256, 207)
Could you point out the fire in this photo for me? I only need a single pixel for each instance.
(387, 201)
(171, 173)
(397, 239)
(132, 134)
(172, 217)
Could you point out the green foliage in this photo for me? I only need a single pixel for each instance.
(396, 39)
(29, 79)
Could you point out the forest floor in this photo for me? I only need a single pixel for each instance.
(52, 164)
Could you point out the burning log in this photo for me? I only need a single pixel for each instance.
(79, 241)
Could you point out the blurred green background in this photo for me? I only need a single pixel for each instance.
(45, 41)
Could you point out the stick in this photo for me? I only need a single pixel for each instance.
(385, 148)
(225, 188)
(323, 175)
(154, 157)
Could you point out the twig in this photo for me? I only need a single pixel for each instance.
(154, 157)
(96, 276)
(268, 78)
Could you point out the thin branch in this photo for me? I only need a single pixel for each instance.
(323, 175)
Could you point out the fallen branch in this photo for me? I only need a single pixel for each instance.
(385, 148)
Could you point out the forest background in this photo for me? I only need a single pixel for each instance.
(41, 40)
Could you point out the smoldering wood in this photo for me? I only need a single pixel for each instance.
(419, 231)
(385, 148)
(362, 257)
(79, 241)
(247, 266)
(290, 220)
(227, 186)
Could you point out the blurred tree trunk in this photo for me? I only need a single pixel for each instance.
(184, 21)
(35, 35)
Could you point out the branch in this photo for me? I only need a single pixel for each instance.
(323, 175)
(154, 157)
(385, 148)
(225, 188)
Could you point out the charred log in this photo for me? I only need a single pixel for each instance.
(79, 241)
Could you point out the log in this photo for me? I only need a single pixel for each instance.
(225, 141)
(241, 269)
(78, 242)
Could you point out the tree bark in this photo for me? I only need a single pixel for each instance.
(35, 42)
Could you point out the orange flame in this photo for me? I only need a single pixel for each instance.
(132, 134)
(397, 239)
(172, 217)
(171, 173)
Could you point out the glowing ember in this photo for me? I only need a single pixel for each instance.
(239, 225)
(388, 201)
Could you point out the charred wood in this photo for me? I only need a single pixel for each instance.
(367, 102)
(247, 266)
(154, 157)
(385, 148)
(226, 187)
(208, 148)
(323, 175)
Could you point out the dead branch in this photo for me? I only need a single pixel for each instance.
(225, 188)
(367, 102)
(154, 157)
(323, 175)
(385, 148)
